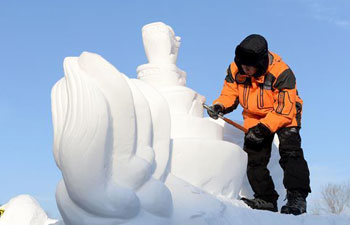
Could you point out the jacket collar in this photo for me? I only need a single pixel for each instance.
(273, 58)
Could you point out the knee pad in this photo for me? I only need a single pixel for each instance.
(290, 139)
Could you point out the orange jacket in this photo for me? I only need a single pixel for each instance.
(271, 99)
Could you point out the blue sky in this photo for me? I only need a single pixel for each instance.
(312, 36)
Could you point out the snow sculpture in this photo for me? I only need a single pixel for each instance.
(135, 151)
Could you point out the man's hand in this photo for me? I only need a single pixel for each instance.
(214, 111)
(258, 133)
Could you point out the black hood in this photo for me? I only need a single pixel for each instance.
(253, 51)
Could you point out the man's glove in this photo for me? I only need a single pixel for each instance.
(258, 133)
(214, 111)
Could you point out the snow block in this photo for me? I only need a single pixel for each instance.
(217, 167)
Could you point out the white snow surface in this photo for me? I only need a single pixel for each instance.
(25, 210)
(193, 206)
(138, 151)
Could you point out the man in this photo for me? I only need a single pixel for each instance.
(265, 87)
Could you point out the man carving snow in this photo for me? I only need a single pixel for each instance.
(265, 87)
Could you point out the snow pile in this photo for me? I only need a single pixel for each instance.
(24, 210)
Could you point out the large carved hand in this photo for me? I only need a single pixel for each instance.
(106, 162)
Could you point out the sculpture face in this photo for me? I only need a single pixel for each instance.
(161, 44)
(136, 151)
(161, 47)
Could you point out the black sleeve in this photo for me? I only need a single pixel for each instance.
(229, 78)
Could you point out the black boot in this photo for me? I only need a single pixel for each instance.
(258, 203)
(296, 204)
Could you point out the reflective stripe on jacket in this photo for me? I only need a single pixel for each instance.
(271, 99)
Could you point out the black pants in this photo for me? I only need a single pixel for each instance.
(296, 171)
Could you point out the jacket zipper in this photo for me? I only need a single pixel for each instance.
(245, 96)
(262, 95)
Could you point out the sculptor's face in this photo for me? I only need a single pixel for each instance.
(249, 70)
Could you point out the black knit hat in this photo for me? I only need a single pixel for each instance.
(253, 51)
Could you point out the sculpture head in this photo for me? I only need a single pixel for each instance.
(161, 44)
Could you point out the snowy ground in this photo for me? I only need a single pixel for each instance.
(25, 210)
(235, 212)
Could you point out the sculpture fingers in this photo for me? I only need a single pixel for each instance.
(103, 145)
